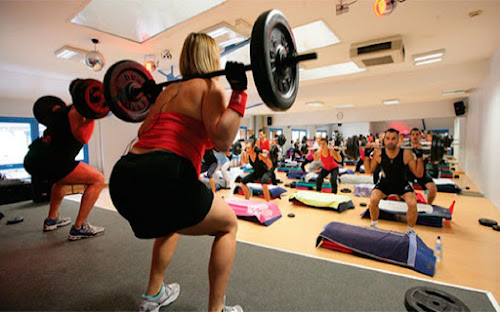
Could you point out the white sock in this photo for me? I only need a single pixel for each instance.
(411, 229)
(374, 224)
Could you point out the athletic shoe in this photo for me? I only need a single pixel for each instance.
(226, 308)
(85, 231)
(166, 296)
(235, 308)
(52, 224)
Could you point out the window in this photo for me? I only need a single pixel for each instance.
(323, 133)
(16, 134)
(298, 134)
(274, 131)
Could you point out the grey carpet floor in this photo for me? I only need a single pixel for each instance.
(45, 271)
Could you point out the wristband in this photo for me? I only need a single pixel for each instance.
(238, 101)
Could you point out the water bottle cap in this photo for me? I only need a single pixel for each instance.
(439, 237)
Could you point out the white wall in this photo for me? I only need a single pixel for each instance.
(369, 114)
(405, 126)
(354, 128)
(483, 129)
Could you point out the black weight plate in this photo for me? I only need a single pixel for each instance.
(119, 80)
(281, 139)
(487, 222)
(44, 107)
(236, 148)
(352, 147)
(272, 40)
(88, 99)
(431, 299)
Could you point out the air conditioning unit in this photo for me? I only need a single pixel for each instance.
(378, 52)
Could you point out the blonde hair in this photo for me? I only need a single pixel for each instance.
(200, 54)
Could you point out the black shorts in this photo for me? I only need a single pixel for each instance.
(158, 193)
(45, 164)
(256, 177)
(426, 178)
(387, 188)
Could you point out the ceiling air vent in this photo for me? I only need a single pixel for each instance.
(378, 52)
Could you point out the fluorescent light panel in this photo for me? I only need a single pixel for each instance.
(330, 71)
(315, 104)
(391, 102)
(139, 20)
(453, 92)
(344, 106)
(428, 61)
(70, 53)
(314, 35)
(428, 55)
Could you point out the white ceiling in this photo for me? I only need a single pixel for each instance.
(30, 32)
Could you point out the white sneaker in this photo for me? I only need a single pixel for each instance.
(235, 308)
(166, 296)
(226, 308)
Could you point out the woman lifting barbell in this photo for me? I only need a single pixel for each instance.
(52, 158)
(156, 187)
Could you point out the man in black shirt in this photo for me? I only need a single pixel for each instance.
(425, 181)
(393, 164)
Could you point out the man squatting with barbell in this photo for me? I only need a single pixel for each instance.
(52, 158)
(393, 163)
(425, 181)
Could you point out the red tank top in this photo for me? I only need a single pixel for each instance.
(264, 145)
(178, 133)
(328, 162)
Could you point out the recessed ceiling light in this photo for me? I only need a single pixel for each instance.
(391, 102)
(428, 55)
(315, 104)
(454, 92)
(344, 106)
(70, 53)
(330, 71)
(313, 36)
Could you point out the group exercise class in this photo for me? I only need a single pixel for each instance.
(249, 155)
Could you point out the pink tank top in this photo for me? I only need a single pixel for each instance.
(178, 133)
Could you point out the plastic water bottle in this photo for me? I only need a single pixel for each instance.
(438, 251)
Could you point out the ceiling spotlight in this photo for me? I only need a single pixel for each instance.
(94, 59)
(150, 62)
(384, 7)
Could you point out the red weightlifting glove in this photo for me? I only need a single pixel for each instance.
(238, 101)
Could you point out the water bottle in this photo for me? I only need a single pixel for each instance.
(438, 251)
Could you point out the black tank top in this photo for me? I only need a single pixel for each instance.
(58, 138)
(393, 170)
(259, 167)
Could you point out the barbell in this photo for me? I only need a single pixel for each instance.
(436, 149)
(130, 90)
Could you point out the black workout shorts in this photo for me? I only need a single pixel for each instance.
(158, 193)
(45, 163)
(426, 178)
(387, 188)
